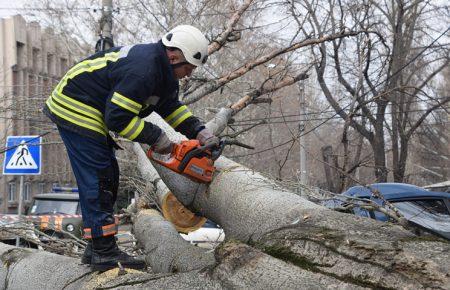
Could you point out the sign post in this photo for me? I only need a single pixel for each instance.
(19, 210)
(23, 157)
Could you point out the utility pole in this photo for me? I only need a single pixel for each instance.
(301, 140)
(105, 27)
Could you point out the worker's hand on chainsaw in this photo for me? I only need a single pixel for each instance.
(206, 137)
(163, 145)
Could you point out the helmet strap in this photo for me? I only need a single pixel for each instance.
(177, 65)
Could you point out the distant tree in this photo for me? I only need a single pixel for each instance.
(383, 89)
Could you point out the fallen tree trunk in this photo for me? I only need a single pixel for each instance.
(165, 250)
(31, 269)
(245, 267)
(361, 251)
(239, 266)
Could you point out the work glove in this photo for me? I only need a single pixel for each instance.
(206, 137)
(163, 145)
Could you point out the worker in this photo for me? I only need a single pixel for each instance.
(112, 91)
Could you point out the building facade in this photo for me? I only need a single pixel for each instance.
(32, 60)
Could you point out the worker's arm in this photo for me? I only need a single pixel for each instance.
(123, 106)
(179, 117)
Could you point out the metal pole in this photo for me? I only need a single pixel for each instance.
(107, 11)
(19, 209)
(106, 40)
(303, 166)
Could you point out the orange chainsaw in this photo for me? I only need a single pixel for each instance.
(193, 160)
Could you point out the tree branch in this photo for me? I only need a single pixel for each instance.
(216, 84)
(250, 97)
(222, 38)
(425, 115)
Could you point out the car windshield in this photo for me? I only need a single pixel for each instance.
(432, 214)
(48, 206)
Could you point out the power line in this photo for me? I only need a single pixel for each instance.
(297, 121)
(26, 119)
(313, 114)
(46, 9)
(25, 142)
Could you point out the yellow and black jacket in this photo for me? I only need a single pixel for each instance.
(114, 89)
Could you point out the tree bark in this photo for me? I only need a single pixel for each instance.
(31, 269)
(327, 151)
(154, 233)
(238, 266)
(379, 150)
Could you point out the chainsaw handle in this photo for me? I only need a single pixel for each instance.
(197, 152)
(217, 150)
(150, 152)
(207, 147)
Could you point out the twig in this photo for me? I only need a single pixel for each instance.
(234, 135)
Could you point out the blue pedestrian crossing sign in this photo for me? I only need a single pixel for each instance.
(23, 155)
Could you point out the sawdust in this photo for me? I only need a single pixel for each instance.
(100, 279)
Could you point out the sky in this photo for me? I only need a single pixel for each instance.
(7, 7)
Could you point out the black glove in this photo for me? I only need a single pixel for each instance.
(206, 137)
(163, 145)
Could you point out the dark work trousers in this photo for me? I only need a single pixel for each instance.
(97, 173)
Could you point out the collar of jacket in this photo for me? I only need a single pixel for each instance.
(165, 60)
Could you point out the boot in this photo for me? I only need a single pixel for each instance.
(106, 255)
(87, 255)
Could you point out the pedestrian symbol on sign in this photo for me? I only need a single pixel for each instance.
(23, 155)
(22, 158)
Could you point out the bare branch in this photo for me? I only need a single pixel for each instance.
(249, 98)
(216, 84)
(425, 115)
(222, 38)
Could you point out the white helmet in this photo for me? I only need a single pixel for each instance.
(190, 41)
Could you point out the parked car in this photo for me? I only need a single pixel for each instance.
(429, 210)
(56, 214)
(208, 236)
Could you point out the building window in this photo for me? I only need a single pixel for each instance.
(46, 89)
(50, 64)
(63, 66)
(11, 191)
(16, 87)
(32, 85)
(20, 54)
(41, 187)
(27, 191)
(36, 60)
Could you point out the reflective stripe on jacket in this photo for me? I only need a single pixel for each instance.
(113, 90)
